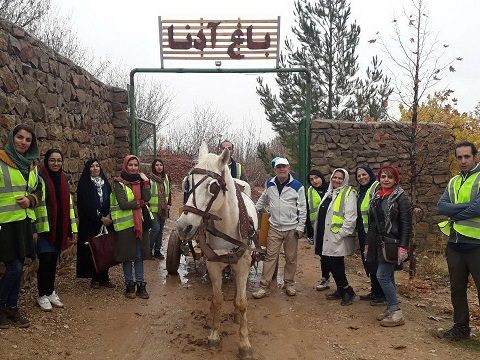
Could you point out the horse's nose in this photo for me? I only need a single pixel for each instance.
(188, 229)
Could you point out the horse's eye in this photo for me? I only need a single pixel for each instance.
(214, 188)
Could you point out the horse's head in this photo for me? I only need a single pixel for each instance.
(208, 182)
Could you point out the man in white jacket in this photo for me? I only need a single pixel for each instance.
(285, 198)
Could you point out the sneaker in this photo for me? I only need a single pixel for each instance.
(369, 297)
(142, 291)
(158, 255)
(310, 241)
(55, 300)
(348, 296)
(17, 318)
(95, 285)
(323, 285)
(107, 284)
(383, 315)
(44, 303)
(4, 322)
(290, 291)
(336, 295)
(130, 290)
(394, 318)
(260, 293)
(457, 332)
(378, 301)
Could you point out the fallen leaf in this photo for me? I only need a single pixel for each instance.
(399, 347)
(436, 318)
(353, 327)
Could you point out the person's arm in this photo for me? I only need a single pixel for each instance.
(472, 210)
(262, 201)
(350, 219)
(445, 206)
(405, 220)
(302, 210)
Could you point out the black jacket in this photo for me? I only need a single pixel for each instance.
(399, 209)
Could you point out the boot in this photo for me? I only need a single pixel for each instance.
(336, 295)
(457, 332)
(395, 318)
(4, 322)
(14, 316)
(130, 290)
(142, 291)
(348, 296)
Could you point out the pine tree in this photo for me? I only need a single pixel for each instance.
(327, 47)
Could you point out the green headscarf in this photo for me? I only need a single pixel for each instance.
(23, 161)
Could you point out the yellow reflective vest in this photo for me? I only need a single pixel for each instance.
(12, 186)
(154, 189)
(461, 192)
(123, 219)
(41, 213)
(366, 203)
(339, 208)
(314, 199)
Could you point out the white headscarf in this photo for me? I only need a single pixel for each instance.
(333, 192)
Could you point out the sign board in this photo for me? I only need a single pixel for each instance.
(209, 39)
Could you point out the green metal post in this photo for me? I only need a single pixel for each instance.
(308, 125)
(133, 116)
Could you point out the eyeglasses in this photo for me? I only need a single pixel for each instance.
(53, 161)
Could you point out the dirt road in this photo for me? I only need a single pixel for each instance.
(173, 323)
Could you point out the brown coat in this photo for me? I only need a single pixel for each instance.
(126, 244)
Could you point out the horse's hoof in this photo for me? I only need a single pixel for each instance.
(236, 318)
(245, 353)
(213, 343)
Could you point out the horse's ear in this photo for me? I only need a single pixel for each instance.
(203, 151)
(223, 159)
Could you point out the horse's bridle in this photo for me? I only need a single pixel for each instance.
(205, 214)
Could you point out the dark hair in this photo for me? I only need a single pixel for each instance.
(467, 144)
(154, 162)
(50, 152)
(23, 127)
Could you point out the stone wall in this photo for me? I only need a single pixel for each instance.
(349, 144)
(69, 108)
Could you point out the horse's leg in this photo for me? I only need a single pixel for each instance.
(215, 272)
(242, 269)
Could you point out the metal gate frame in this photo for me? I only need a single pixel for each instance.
(303, 128)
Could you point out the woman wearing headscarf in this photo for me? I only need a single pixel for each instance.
(338, 240)
(316, 191)
(388, 238)
(367, 186)
(131, 220)
(20, 192)
(93, 204)
(56, 227)
(160, 205)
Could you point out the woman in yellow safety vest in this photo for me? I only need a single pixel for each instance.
(55, 227)
(339, 227)
(20, 192)
(159, 205)
(315, 193)
(131, 220)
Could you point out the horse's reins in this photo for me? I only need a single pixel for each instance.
(245, 223)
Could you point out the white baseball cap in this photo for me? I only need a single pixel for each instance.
(281, 161)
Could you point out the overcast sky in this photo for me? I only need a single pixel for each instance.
(127, 31)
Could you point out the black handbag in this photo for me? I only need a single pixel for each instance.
(389, 244)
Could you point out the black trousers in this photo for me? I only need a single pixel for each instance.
(336, 266)
(47, 268)
(460, 265)
(324, 268)
(101, 277)
(371, 269)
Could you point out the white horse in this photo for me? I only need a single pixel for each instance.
(212, 205)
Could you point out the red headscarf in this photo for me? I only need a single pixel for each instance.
(396, 175)
(133, 180)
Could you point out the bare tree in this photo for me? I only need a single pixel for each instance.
(418, 60)
(24, 13)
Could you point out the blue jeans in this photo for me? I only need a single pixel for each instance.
(10, 284)
(138, 265)
(385, 276)
(156, 233)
